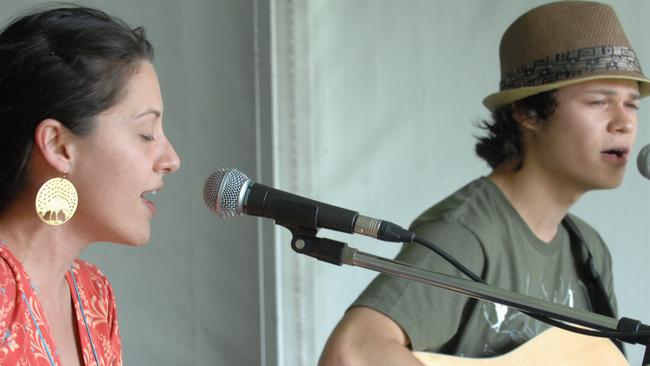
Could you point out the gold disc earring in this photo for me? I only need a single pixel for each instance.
(56, 201)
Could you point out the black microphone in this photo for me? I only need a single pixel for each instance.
(643, 161)
(229, 192)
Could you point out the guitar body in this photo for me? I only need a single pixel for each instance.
(554, 346)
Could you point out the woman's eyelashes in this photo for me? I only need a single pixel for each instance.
(147, 138)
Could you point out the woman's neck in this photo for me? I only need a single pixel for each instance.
(46, 252)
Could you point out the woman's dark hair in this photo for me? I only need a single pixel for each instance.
(503, 142)
(67, 63)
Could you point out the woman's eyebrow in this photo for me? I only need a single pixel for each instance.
(153, 111)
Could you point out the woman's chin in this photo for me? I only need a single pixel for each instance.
(133, 241)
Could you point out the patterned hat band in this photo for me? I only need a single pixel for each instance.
(579, 63)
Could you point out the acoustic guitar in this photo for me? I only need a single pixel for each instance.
(555, 346)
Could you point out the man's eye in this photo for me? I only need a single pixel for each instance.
(597, 102)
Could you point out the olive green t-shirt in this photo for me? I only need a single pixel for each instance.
(478, 226)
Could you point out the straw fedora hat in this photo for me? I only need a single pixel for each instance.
(560, 44)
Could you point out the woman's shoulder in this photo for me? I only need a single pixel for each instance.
(86, 268)
(12, 287)
(11, 273)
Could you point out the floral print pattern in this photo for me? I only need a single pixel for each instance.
(22, 316)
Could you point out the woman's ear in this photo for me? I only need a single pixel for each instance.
(53, 141)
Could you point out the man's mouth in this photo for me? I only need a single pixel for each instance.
(618, 152)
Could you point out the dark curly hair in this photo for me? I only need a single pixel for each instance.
(68, 63)
(503, 142)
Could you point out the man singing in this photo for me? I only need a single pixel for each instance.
(563, 123)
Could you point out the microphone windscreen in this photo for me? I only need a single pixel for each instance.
(223, 192)
(643, 161)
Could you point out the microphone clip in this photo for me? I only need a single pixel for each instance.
(302, 220)
(323, 249)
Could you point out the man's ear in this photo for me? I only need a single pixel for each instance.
(527, 120)
(53, 141)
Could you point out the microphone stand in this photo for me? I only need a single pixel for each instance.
(305, 242)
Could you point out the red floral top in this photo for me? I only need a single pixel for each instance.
(25, 337)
